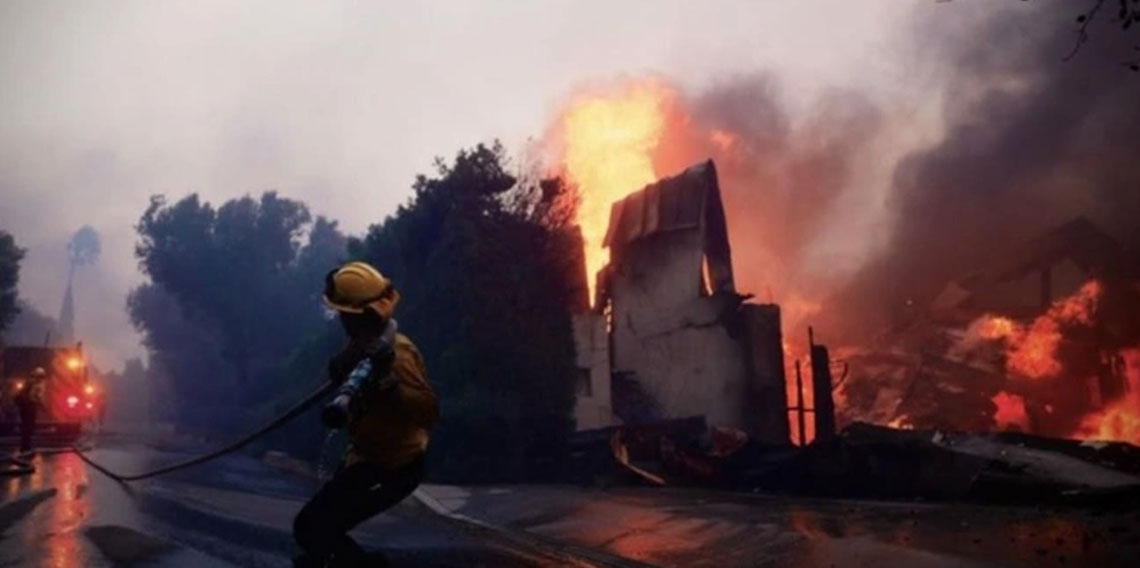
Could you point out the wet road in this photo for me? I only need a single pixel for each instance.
(233, 512)
(237, 512)
(691, 529)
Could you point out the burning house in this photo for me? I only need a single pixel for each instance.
(1043, 340)
(670, 336)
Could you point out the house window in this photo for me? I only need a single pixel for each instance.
(585, 387)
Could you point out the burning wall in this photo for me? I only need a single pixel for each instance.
(678, 333)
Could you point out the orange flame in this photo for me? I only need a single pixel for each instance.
(1010, 411)
(1034, 353)
(996, 327)
(609, 141)
(1032, 350)
(901, 422)
(1120, 421)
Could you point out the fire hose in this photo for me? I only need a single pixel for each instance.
(238, 444)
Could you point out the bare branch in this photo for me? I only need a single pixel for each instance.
(1082, 33)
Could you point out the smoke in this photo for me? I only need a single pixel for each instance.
(853, 211)
(787, 179)
(794, 177)
(1031, 141)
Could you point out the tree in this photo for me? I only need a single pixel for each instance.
(84, 247)
(10, 256)
(479, 261)
(233, 292)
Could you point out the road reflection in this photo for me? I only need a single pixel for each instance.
(66, 513)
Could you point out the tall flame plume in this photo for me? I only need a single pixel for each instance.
(608, 144)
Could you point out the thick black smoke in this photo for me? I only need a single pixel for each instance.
(1031, 141)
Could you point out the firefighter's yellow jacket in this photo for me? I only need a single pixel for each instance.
(389, 424)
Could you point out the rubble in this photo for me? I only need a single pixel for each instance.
(867, 461)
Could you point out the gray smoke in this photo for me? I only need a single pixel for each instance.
(1031, 141)
(784, 172)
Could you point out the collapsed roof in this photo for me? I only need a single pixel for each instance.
(1079, 242)
(685, 201)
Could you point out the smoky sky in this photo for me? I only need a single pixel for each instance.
(791, 179)
(340, 104)
(1031, 141)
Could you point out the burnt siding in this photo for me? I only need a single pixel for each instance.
(672, 340)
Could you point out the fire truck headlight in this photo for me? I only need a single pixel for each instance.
(89, 406)
(72, 401)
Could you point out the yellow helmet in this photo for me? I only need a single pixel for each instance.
(356, 286)
(39, 372)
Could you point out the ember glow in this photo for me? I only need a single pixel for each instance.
(1010, 412)
(609, 141)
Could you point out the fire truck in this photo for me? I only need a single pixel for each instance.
(72, 401)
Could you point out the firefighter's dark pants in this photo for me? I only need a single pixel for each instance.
(27, 425)
(353, 495)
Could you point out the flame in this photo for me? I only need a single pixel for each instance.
(609, 141)
(1078, 308)
(1119, 421)
(1010, 411)
(1032, 350)
(1034, 353)
(901, 422)
(996, 327)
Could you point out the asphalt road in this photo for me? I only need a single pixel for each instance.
(685, 528)
(236, 511)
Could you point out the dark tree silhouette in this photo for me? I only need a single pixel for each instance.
(233, 293)
(10, 256)
(480, 261)
(84, 247)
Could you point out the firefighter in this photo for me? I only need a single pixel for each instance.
(388, 423)
(28, 401)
